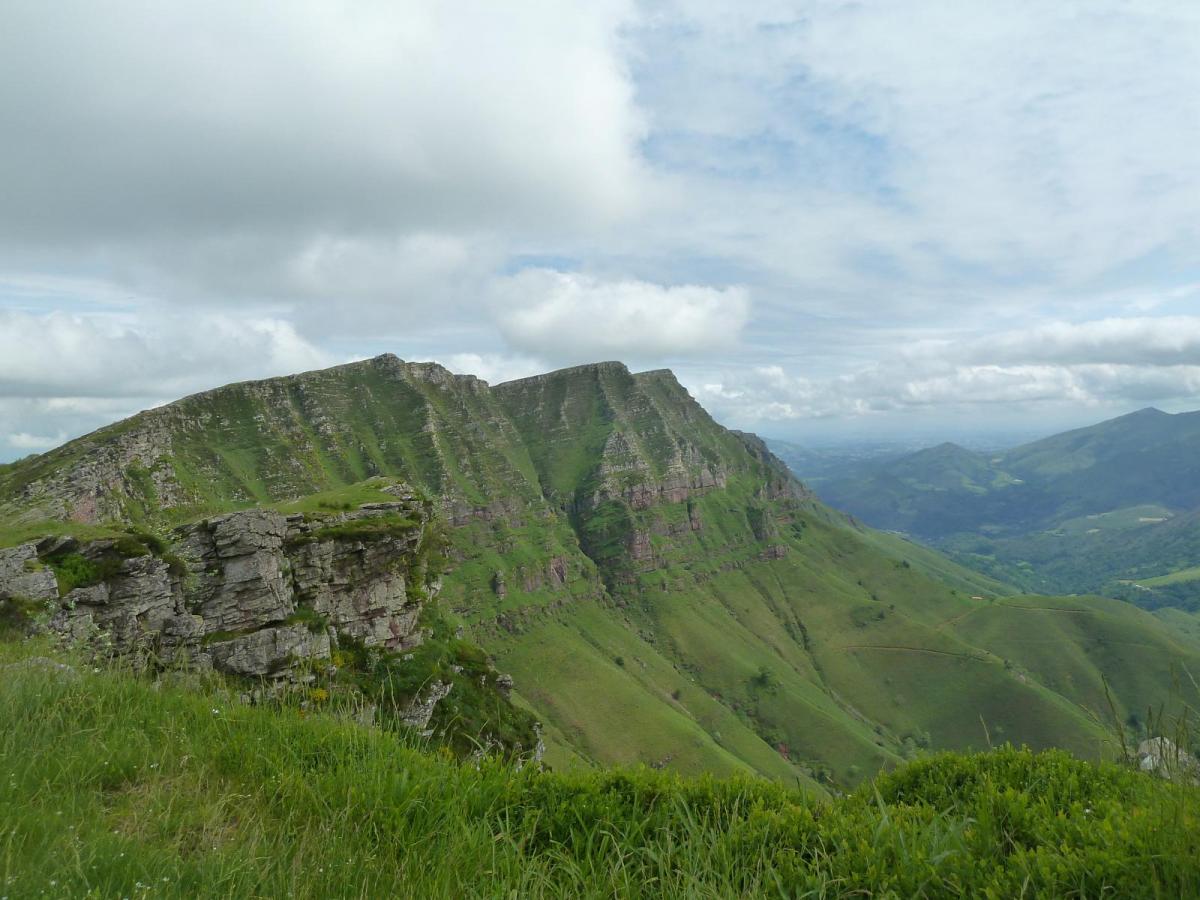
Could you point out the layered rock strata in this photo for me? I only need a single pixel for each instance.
(253, 593)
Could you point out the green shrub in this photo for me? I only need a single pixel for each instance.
(129, 546)
(73, 570)
(155, 544)
(175, 564)
(306, 615)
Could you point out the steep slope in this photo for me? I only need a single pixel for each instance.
(661, 588)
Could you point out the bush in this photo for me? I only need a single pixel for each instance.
(72, 570)
(128, 546)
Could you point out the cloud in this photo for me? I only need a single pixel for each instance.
(319, 134)
(931, 146)
(22, 440)
(572, 317)
(1136, 341)
(1102, 363)
(494, 368)
(149, 355)
(58, 419)
(929, 203)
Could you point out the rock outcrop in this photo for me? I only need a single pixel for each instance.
(1163, 757)
(250, 593)
(421, 709)
(23, 575)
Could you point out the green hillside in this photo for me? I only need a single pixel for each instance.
(119, 786)
(661, 588)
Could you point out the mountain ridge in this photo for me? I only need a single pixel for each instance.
(662, 589)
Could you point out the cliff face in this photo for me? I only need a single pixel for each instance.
(251, 593)
(627, 458)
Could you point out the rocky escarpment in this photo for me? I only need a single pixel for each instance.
(554, 485)
(252, 593)
(269, 440)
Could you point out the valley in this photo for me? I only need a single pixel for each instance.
(1113, 508)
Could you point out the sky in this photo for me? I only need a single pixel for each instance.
(829, 218)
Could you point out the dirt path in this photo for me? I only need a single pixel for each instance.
(1048, 608)
(956, 619)
(912, 650)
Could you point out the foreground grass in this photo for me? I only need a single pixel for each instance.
(111, 786)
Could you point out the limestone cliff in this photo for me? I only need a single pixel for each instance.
(252, 593)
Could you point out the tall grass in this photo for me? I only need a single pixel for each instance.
(114, 786)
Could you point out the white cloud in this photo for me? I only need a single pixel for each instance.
(571, 317)
(889, 182)
(956, 144)
(22, 440)
(1103, 363)
(148, 355)
(317, 136)
(1147, 341)
(494, 368)
(58, 419)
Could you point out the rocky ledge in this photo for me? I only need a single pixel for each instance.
(254, 593)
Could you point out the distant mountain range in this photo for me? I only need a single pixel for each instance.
(1114, 507)
(662, 589)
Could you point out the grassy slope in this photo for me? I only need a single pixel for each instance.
(936, 565)
(836, 657)
(117, 787)
(1181, 622)
(848, 691)
(1069, 643)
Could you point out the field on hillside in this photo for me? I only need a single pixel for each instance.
(114, 786)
